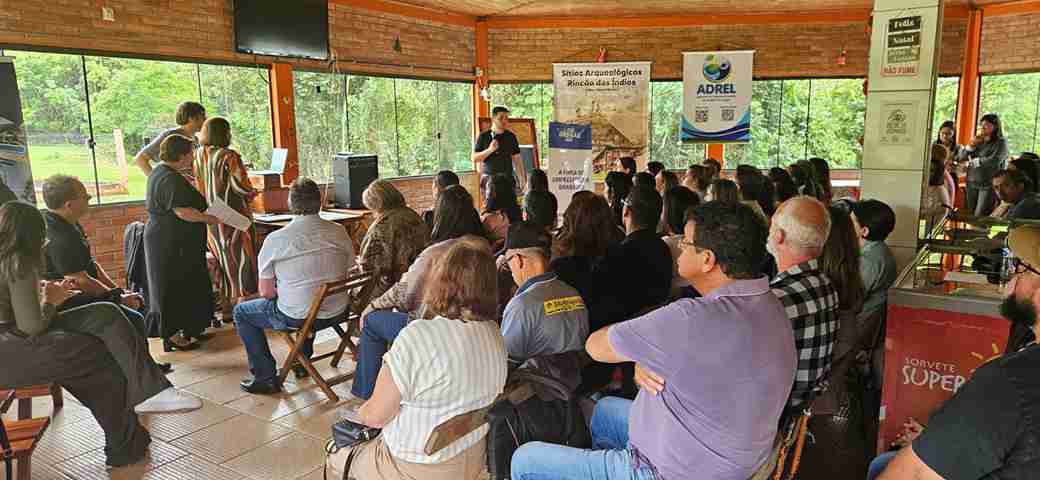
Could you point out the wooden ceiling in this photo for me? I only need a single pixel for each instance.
(619, 8)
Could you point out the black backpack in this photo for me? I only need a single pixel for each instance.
(553, 415)
(133, 253)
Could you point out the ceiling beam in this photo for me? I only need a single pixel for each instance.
(820, 16)
(412, 11)
(1011, 8)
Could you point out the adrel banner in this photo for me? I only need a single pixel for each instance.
(14, 155)
(717, 96)
(612, 98)
(570, 161)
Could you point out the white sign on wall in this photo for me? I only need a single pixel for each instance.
(717, 96)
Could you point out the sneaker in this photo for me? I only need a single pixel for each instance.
(170, 400)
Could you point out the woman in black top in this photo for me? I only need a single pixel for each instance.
(181, 295)
(985, 155)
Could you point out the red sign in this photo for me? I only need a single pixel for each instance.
(929, 355)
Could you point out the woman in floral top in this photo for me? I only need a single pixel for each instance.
(394, 239)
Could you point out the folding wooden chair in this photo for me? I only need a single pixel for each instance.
(25, 396)
(354, 286)
(461, 425)
(18, 440)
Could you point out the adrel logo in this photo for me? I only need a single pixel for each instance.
(570, 134)
(716, 70)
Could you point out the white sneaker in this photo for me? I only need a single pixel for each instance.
(170, 400)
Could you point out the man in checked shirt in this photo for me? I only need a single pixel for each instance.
(796, 237)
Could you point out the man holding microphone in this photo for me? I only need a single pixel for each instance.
(497, 152)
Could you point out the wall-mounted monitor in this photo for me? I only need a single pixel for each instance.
(297, 28)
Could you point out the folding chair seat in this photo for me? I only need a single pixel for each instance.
(18, 440)
(25, 396)
(355, 286)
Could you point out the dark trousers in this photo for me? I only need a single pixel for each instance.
(381, 328)
(979, 199)
(86, 366)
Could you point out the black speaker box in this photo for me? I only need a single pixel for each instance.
(352, 173)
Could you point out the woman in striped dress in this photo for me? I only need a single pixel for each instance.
(221, 174)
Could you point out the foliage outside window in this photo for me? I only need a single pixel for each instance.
(665, 122)
(1014, 98)
(528, 100)
(946, 89)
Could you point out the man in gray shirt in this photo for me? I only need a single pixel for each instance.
(190, 117)
(546, 317)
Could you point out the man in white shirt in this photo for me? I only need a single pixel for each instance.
(294, 262)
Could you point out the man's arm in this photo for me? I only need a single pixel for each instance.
(268, 288)
(90, 285)
(385, 403)
(144, 162)
(599, 347)
(104, 278)
(908, 466)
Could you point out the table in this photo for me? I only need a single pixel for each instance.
(355, 221)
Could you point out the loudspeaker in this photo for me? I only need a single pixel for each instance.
(352, 173)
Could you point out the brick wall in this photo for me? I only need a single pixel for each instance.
(203, 30)
(781, 50)
(1010, 43)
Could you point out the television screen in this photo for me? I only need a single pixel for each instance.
(299, 28)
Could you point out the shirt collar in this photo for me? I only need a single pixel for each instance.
(535, 279)
(52, 215)
(742, 288)
(812, 265)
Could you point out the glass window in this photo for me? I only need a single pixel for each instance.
(417, 129)
(763, 148)
(243, 96)
(946, 89)
(54, 108)
(528, 100)
(372, 121)
(1014, 98)
(836, 123)
(455, 111)
(665, 122)
(321, 121)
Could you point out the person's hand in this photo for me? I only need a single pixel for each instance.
(364, 316)
(54, 293)
(493, 147)
(977, 140)
(133, 300)
(649, 380)
(911, 430)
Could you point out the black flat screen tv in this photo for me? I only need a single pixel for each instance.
(296, 28)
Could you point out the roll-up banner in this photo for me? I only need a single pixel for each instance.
(14, 154)
(717, 96)
(614, 99)
(570, 161)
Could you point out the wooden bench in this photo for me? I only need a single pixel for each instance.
(25, 396)
(19, 438)
(355, 287)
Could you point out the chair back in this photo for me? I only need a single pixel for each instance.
(353, 285)
(461, 425)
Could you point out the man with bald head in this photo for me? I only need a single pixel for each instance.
(799, 229)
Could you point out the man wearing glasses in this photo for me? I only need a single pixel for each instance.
(990, 429)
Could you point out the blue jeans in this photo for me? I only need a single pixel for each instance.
(879, 464)
(251, 319)
(610, 459)
(381, 328)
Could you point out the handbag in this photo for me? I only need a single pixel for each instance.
(349, 434)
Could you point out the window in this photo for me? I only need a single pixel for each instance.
(321, 121)
(1014, 98)
(528, 100)
(946, 89)
(837, 112)
(455, 117)
(665, 121)
(243, 96)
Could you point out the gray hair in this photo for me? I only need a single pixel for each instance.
(381, 196)
(60, 189)
(304, 197)
(805, 230)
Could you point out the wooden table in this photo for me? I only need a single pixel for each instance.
(355, 221)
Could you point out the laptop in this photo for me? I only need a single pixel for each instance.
(278, 157)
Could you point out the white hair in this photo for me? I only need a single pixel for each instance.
(800, 230)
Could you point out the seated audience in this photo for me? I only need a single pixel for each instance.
(423, 384)
(295, 261)
(697, 179)
(443, 180)
(394, 239)
(618, 187)
(796, 239)
(68, 252)
(626, 165)
(676, 202)
(1016, 195)
(755, 191)
(539, 182)
(715, 166)
(540, 208)
(713, 409)
(874, 221)
(456, 220)
(823, 175)
(501, 210)
(91, 351)
(645, 179)
(783, 186)
(653, 168)
(664, 181)
(988, 430)
(725, 190)
(587, 233)
(804, 177)
(1027, 163)
(546, 316)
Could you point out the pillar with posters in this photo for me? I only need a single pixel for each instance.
(570, 161)
(614, 99)
(717, 96)
(15, 173)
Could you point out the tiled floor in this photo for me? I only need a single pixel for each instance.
(234, 436)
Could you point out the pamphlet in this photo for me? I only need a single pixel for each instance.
(227, 215)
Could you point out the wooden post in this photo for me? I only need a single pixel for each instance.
(716, 151)
(480, 106)
(283, 118)
(968, 94)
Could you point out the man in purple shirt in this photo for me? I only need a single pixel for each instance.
(721, 368)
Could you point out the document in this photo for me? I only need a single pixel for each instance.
(227, 215)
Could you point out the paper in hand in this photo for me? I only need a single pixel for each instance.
(227, 215)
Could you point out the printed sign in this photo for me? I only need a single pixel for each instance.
(570, 161)
(717, 97)
(897, 120)
(612, 98)
(902, 47)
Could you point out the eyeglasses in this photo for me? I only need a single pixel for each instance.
(1019, 267)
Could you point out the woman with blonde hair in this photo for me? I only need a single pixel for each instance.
(222, 176)
(422, 384)
(394, 239)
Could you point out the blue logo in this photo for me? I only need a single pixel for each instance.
(716, 68)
